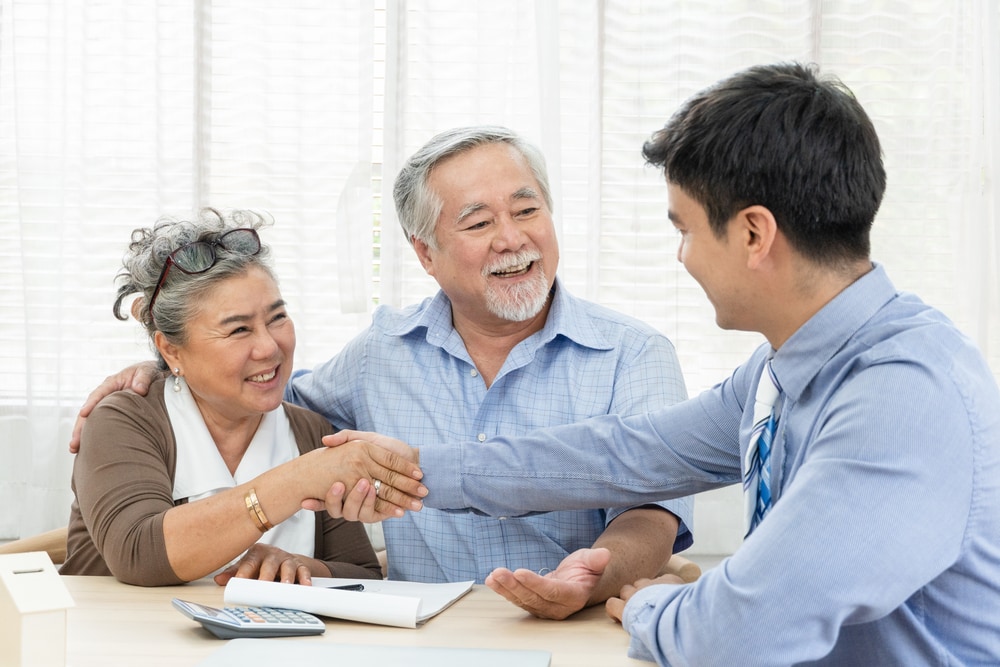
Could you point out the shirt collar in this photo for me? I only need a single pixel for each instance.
(812, 346)
(567, 317)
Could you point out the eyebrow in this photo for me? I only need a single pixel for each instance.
(468, 210)
(475, 207)
(232, 319)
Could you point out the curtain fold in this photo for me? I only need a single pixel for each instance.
(114, 113)
(978, 227)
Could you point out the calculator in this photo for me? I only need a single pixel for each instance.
(233, 622)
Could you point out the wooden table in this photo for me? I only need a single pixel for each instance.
(116, 624)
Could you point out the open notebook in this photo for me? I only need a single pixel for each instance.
(315, 652)
(404, 604)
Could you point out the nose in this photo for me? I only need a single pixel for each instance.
(265, 346)
(508, 235)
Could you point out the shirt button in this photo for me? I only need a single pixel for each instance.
(481, 437)
(473, 372)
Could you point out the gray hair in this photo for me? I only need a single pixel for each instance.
(418, 207)
(181, 293)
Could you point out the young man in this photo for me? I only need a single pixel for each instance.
(866, 432)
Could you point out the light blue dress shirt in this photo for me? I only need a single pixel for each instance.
(409, 376)
(883, 544)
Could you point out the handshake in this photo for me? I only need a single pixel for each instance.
(395, 490)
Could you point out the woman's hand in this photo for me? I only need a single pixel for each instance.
(269, 563)
(364, 502)
(358, 505)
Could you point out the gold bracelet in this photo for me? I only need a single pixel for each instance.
(256, 513)
(267, 525)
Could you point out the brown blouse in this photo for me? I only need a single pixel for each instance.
(128, 438)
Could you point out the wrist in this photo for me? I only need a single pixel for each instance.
(256, 512)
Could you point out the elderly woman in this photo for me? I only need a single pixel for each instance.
(210, 472)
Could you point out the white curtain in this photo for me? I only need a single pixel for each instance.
(115, 112)
(112, 113)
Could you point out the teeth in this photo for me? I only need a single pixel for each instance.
(513, 269)
(263, 378)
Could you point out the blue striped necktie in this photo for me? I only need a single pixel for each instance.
(757, 464)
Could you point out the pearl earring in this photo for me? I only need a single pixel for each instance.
(177, 379)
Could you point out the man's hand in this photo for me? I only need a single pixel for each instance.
(268, 563)
(395, 446)
(136, 377)
(558, 594)
(616, 606)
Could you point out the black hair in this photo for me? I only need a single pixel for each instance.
(781, 137)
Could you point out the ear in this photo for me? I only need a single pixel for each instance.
(424, 254)
(760, 230)
(169, 351)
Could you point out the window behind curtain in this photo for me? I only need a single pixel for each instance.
(113, 113)
(117, 113)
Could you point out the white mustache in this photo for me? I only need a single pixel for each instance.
(520, 259)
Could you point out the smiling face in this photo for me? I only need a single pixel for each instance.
(496, 252)
(238, 355)
(718, 264)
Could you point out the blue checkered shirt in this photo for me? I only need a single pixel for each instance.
(409, 376)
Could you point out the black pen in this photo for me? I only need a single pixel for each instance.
(348, 587)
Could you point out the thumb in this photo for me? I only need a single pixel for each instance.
(337, 439)
(223, 577)
(312, 504)
(597, 559)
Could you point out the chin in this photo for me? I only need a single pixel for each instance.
(723, 322)
(269, 402)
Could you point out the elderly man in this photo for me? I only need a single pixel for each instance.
(501, 349)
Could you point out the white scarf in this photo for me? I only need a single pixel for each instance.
(201, 472)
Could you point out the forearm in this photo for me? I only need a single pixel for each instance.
(641, 542)
(202, 536)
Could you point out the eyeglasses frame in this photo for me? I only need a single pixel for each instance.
(212, 245)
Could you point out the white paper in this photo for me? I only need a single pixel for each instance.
(404, 604)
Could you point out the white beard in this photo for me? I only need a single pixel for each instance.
(520, 301)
